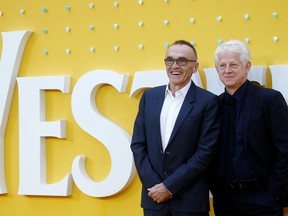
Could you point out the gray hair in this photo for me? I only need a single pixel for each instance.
(234, 46)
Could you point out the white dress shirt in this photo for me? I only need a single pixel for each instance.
(170, 110)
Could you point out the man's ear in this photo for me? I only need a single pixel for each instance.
(248, 67)
(196, 67)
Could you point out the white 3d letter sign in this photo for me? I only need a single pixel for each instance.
(32, 132)
(12, 51)
(33, 127)
(115, 139)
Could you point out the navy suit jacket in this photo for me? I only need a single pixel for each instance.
(265, 132)
(182, 167)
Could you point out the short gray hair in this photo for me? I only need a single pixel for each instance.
(234, 46)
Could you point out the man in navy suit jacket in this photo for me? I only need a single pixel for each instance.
(250, 175)
(174, 139)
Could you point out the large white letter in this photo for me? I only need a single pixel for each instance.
(32, 131)
(279, 79)
(214, 84)
(12, 51)
(114, 138)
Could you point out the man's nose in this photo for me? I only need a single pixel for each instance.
(175, 64)
(227, 68)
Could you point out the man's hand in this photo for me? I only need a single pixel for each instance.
(159, 193)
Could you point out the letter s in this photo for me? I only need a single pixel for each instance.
(89, 118)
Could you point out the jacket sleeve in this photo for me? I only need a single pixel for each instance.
(278, 112)
(147, 174)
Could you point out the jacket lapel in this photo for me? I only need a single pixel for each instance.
(159, 100)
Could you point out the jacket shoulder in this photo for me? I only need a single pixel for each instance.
(265, 92)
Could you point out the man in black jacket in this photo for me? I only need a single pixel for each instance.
(250, 173)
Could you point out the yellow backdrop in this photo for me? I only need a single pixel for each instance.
(128, 26)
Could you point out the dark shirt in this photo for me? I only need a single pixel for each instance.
(241, 170)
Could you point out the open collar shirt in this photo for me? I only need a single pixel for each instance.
(170, 110)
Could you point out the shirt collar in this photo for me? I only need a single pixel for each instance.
(239, 94)
(182, 91)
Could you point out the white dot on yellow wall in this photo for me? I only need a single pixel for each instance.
(192, 20)
(45, 52)
(67, 28)
(247, 40)
(91, 5)
(166, 22)
(219, 42)
(140, 46)
(246, 16)
(140, 2)
(22, 11)
(140, 23)
(166, 45)
(116, 48)
(67, 8)
(115, 26)
(275, 39)
(165, 1)
(115, 4)
(274, 15)
(1, 13)
(68, 51)
(91, 49)
(218, 18)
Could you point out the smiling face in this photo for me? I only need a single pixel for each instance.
(232, 71)
(179, 76)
